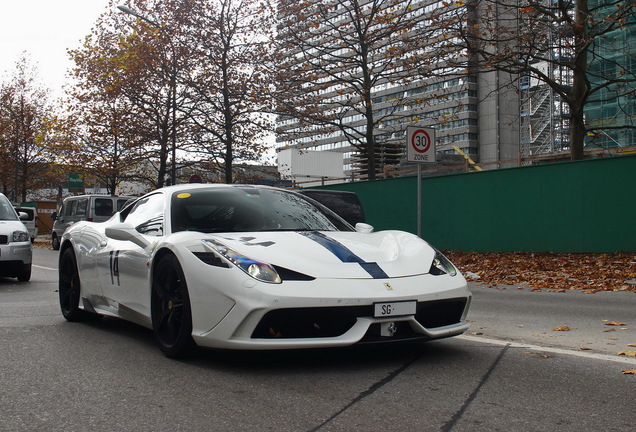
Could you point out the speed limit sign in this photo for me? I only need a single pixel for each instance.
(420, 144)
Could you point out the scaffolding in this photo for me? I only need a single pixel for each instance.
(545, 117)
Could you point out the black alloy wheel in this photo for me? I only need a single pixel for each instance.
(170, 309)
(69, 289)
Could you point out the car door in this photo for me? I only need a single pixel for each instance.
(65, 219)
(124, 268)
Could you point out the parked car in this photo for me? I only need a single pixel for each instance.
(91, 208)
(15, 243)
(256, 267)
(30, 220)
(345, 204)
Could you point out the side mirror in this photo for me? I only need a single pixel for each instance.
(364, 228)
(126, 232)
(54, 216)
(23, 215)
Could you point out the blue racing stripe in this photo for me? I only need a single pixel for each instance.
(344, 254)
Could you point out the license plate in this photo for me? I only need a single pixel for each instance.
(394, 309)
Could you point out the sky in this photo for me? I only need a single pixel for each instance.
(45, 29)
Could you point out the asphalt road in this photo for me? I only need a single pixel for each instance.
(517, 375)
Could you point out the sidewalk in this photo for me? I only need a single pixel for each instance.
(602, 322)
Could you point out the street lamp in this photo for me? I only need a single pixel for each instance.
(134, 13)
(173, 87)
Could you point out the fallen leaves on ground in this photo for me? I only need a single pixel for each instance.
(627, 353)
(630, 371)
(562, 328)
(553, 271)
(615, 323)
(542, 355)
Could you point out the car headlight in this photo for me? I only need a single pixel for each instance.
(442, 265)
(258, 270)
(20, 236)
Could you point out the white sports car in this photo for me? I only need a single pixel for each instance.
(254, 267)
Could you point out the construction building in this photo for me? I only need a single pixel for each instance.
(493, 119)
(613, 110)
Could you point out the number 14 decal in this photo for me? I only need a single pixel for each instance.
(114, 267)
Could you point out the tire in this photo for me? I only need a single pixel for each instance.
(170, 309)
(69, 289)
(25, 273)
(55, 242)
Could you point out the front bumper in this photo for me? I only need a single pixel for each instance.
(334, 313)
(14, 256)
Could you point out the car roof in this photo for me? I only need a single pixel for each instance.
(98, 196)
(190, 186)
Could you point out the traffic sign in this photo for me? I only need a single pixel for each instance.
(75, 183)
(420, 144)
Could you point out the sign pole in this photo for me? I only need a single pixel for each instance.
(419, 200)
(420, 148)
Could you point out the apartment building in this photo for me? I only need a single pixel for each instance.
(469, 112)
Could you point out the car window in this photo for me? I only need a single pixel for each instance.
(146, 215)
(346, 204)
(7, 212)
(29, 211)
(244, 209)
(121, 203)
(80, 209)
(70, 208)
(103, 207)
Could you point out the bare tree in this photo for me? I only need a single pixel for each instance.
(231, 85)
(338, 54)
(578, 38)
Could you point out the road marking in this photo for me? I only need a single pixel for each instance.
(43, 268)
(585, 354)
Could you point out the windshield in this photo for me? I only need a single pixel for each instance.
(7, 212)
(242, 209)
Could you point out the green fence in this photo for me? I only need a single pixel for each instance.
(583, 206)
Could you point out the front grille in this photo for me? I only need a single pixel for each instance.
(4, 239)
(439, 313)
(309, 322)
(335, 321)
(10, 268)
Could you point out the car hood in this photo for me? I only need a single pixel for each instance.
(336, 254)
(8, 226)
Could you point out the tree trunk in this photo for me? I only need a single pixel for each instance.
(579, 83)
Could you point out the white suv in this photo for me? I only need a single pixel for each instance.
(30, 220)
(92, 208)
(15, 243)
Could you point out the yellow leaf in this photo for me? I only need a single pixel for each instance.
(562, 328)
(630, 371)
(627, 353)
(615, 323)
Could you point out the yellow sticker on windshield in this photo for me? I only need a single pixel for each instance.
(184, 195)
